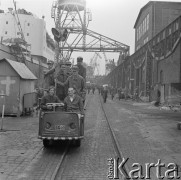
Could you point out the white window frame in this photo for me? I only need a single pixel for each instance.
(148, 17)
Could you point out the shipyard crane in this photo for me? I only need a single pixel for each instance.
(94, 62)
(106, 62)
(72, 34)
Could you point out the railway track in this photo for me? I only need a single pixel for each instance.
(56, 174)
(115, 141)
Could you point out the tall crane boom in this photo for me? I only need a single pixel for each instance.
(94, 63)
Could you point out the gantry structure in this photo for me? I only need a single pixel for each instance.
(72, 16)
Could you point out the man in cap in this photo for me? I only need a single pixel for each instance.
(60, 75)
(76, 81)
(50, 64)
(82, 69)
(49, 75)
(68, 65)
(49, 98)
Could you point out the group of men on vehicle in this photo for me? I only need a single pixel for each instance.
(66, 85)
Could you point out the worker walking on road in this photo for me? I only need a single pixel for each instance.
(104, 94)
(82, 69)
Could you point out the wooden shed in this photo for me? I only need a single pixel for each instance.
(15, 81)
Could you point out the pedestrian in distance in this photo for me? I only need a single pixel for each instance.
(125, 93)
(88, 89)
(93, 89)
(105, 93)
(82, 69)
(136, 94)
(113, 91)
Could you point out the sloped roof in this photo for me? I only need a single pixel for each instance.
(21, 69)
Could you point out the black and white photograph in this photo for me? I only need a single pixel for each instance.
(90, 89)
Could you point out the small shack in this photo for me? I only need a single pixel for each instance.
(15, 81)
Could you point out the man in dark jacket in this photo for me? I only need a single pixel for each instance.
(82, 69)
(49, 98)
(73, 102)
(76, 81)
(104, 93)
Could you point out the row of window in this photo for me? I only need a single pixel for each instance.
(144, 42)
(143, 28)
(28, 24)
(18, 33)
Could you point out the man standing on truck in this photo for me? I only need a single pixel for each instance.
(82, 69)
(76, 81)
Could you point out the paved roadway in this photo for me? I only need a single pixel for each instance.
(145, 134)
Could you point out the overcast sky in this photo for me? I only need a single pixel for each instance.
(112, 18)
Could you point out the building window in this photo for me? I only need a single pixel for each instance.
(145, 40)
(137, 34)
(158, 39)
(170, 31)
(141, 30)
(176, 25)
(147, 21)
(138, 47)
(28, 34)
(6, 22)
(161, 77)
(163, 34)
(6, 32)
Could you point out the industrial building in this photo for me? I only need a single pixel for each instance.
(156, 64)
(152, 18)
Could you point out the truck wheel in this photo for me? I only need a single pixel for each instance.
(77, 143)
(179, 126)
(46, 143)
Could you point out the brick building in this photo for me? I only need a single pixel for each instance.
(156, 65)
(152, 18)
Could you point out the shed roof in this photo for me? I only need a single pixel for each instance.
(21, 69)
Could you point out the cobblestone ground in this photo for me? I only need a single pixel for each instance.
(18, 146)
(43, 166)
(22, 156)
(90, 161)
(145, 133)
